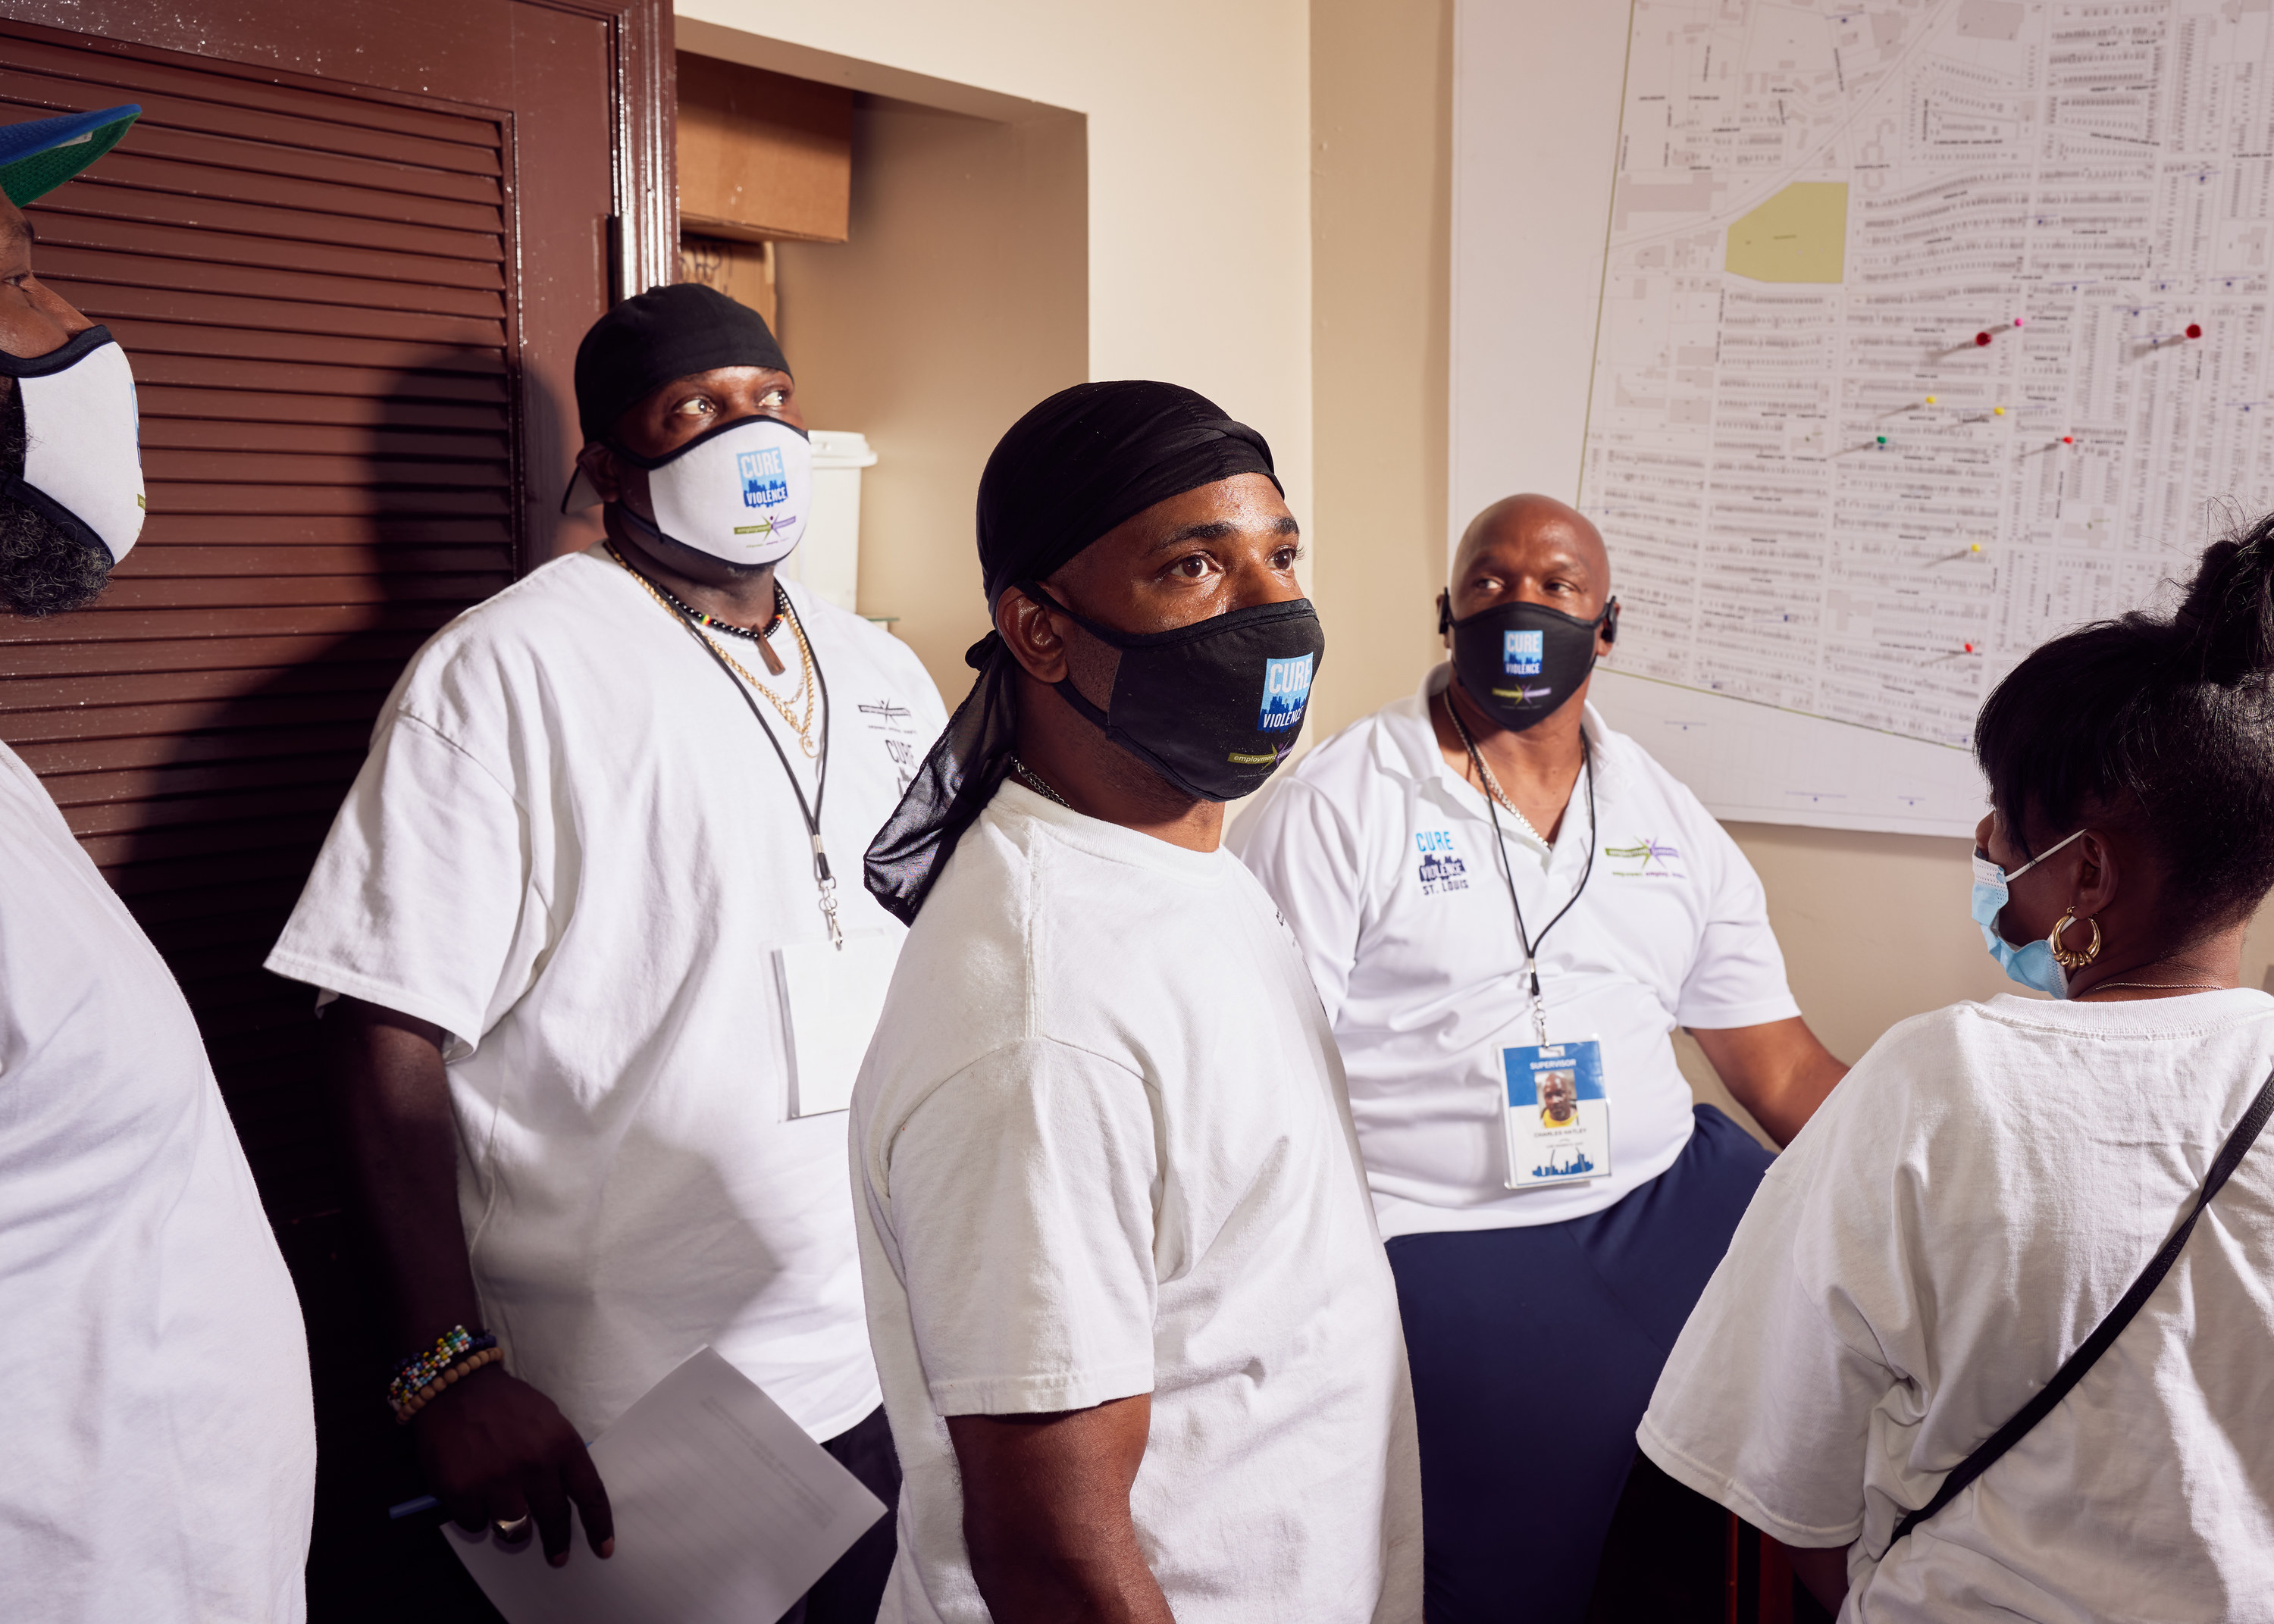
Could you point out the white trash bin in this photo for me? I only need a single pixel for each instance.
(828, 558)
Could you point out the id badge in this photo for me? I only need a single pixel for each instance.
(832, 998)
(1557, 1116)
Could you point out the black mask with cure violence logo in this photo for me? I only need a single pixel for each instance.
(1521, 661)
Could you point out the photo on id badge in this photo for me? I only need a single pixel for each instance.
(1558, 1117)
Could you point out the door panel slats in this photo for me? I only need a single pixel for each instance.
(316, 291)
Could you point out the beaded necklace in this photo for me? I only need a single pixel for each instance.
(802, 725)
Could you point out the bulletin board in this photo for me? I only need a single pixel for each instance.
(1925, 332)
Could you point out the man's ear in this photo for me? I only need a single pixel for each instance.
(600, 467)
(1609, 632)
(1032, 637)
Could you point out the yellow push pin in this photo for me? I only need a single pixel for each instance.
(1974, 547)
(1997, 411)
(1930, 399)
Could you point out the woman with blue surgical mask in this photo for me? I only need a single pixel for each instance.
(1991, 1342)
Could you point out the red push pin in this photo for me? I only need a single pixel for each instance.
(2068, 440)
(1980, 339)
(1969, 648)
(2195, 330)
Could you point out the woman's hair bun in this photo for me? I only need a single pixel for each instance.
(2225, 624)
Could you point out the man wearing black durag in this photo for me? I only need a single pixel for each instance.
(1138, 1339)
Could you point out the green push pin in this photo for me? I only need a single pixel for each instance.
(1883, 440)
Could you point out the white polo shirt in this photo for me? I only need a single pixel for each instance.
(1381, 857)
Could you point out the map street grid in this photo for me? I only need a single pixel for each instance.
(1930, 330)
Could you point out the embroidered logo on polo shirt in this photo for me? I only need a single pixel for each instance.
(1442, 867)
(1286, 691)
(765, 485)
(1648, 857)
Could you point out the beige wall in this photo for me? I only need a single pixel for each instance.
(1198, 119)
(958, 302)
(1381, 208)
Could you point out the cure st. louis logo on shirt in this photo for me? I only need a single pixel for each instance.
(1648, 857)
(1286, 690)
(1521, 652)
(763, 482)
(1442, 867)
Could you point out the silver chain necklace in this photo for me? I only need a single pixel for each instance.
(1033, 780)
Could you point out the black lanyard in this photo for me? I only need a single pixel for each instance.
(1530, 944)
(811, 811)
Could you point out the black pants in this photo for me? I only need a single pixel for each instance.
(1534, 1351)
(851, 1591)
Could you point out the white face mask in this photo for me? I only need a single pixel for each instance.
(740, 492)
(83, 440)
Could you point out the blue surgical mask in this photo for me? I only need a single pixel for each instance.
(2033, 965)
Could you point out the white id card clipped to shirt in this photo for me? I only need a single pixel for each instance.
(832, 997)
(1558, 1117)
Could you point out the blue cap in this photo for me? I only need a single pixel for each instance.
(41, 154)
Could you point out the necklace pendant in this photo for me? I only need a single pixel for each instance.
(805, 742)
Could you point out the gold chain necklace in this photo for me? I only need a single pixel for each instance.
(802, 726)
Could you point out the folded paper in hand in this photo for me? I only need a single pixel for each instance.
(726, 1513)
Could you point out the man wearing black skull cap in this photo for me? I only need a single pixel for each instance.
(597, 980)
(1138, 1338)
(161, 1442)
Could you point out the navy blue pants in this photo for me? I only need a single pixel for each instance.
(1534, 1352)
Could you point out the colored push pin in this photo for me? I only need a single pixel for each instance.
(2018, 321)
(1973, 547)
(1997, 411)
(1930, 399)
(2195, 330)
(1969, 648)
(1883, 440)
(1980, 340)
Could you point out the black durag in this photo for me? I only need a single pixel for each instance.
(1073, 468)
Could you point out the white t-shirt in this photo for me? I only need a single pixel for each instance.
(1102, 1149)
(160, 1443)
(1382, 857)
(572, 848)
(1969, 1204)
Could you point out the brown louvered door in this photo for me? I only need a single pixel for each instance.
(349, 250)
(311, 286)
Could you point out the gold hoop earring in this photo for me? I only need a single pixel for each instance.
(2061, 955)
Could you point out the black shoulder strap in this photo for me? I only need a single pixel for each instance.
(2230, 1155)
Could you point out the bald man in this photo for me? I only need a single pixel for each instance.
(1508, 908)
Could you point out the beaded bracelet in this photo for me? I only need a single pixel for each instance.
(432, 1390)
(421, 1371)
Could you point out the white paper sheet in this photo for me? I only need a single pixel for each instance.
(835, 996)
(725, 1513)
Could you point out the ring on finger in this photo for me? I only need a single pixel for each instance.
(515, 1529)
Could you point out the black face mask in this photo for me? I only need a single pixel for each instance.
(1521, 661)
(1213, 707)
